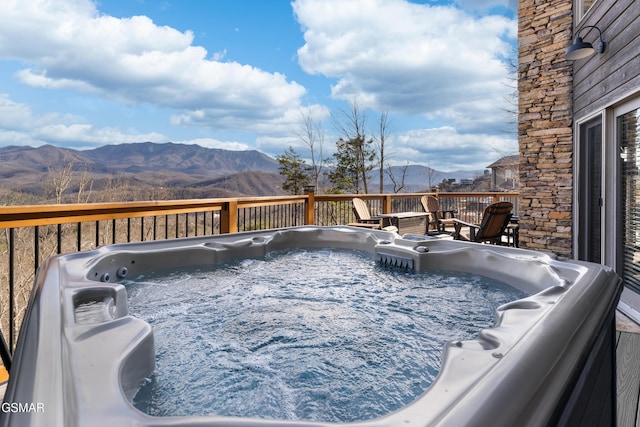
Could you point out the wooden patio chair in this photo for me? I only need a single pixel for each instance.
(364, 218)
(494, 222)
(439, 219)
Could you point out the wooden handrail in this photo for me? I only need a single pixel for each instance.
(33, 215)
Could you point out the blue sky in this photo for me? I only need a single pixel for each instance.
(241, 74)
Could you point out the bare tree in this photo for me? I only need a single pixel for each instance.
(85, 185)
(61, 177)
(354, 156)
(511, 111)
(116, 189)
(353, 122)
(383, 134)
(312, 136)
(398, 185)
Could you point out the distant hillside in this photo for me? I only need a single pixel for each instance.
(141, 169)
(152, 171)
(24, 160)
(191, 159)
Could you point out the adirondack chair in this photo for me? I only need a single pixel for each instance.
(364, 218)
(494, 222)
(440, 219)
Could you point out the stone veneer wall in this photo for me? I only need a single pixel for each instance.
(545, 124)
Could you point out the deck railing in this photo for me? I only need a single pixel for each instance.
(33, 233)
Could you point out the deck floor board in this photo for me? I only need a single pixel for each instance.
(628, 378)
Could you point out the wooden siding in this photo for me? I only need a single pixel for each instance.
(604, 79)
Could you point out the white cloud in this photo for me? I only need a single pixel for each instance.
(284, 125)
(20, 126)
(70, 45)
(215, 143)
(277, 145)
(409, 58)
(446, 149)
(87, 136)
(219, 56)
(14, 116)
(18, 138)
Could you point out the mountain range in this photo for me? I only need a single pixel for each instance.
(181, 170)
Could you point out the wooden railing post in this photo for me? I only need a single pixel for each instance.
(310, 205)
(229, 217)
(386, 204)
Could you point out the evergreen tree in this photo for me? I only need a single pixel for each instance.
(353, 161)
(294, 170)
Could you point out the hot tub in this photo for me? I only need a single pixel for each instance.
(549, 359)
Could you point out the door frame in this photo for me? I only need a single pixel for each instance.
(611, 209)
(614, 212)
(578, 177)
(612, 205)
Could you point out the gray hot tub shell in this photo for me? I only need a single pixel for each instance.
(549, 359)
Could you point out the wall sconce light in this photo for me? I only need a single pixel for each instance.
(581, 49)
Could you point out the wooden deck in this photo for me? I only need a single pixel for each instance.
(628, 375)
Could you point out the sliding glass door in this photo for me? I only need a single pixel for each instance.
(590, 191)
(607, 195)
(627, 134)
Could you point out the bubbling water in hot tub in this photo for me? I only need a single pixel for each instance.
(323, 334)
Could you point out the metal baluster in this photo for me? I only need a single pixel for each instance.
(79, 237)
(59, 238)
(11, 287)
(36, 247)
(5, 352)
